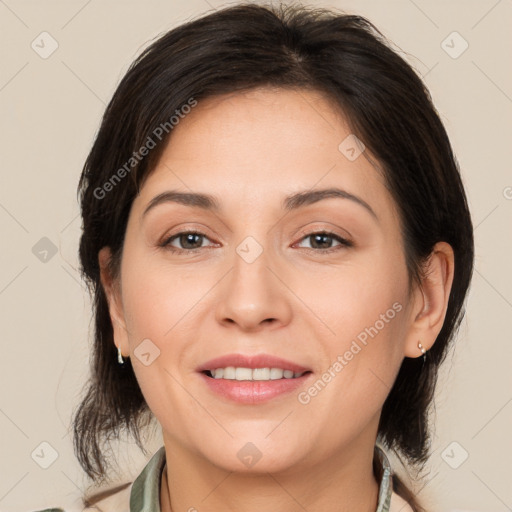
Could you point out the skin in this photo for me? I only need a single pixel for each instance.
(295, 301)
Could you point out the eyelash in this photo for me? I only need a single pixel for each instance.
(343, 242)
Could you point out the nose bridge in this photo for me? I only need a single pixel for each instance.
(252, 294)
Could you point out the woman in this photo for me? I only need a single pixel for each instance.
(278, 244)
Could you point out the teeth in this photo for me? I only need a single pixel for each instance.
(229, 373)
(276, 373)
(261, 374)
(218, 373)
(232, 373)
(243, 374)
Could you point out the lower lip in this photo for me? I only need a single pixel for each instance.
(253, 391)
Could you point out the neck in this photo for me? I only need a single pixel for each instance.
(342, 482)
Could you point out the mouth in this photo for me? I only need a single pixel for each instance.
(259, 364)
(252, 379)
(253, 374)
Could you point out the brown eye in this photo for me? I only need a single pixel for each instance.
(321, 241)
(186, 240)
(325, 241)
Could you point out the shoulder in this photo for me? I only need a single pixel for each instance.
(398, 504)
(143, 491)
(113, 500)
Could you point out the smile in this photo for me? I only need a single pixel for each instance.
(240, 373)
(252, 378)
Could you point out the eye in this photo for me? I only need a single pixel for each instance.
(192, 241)
(188, 241)
(324, 240)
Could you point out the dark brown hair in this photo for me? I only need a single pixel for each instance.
(387, 106)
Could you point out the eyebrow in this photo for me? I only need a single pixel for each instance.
(297, 200)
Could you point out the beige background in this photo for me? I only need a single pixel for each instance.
(50, 111)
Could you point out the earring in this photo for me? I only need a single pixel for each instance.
(119, 355)
(423, 351)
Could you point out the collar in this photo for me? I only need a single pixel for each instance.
(145, 491)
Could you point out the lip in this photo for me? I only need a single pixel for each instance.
(252, 392)
(251, 361)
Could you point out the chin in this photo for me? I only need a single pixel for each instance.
(259, 456)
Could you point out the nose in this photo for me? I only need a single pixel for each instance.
(252, 296)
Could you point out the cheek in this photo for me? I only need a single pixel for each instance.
(355, 297)
(159, 305)
(156, 299)
(367, 313)
(364, 305)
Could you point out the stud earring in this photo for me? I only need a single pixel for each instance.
(423, 351)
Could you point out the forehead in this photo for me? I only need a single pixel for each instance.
(263, 144)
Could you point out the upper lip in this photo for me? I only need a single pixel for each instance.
(251, 361)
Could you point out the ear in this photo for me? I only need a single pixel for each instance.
(113, 294)
(431, 300)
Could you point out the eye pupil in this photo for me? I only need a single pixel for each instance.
(189, 237)
(322, 239)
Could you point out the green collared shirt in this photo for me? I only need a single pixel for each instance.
(143, 495)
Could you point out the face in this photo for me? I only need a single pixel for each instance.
(272, 268)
